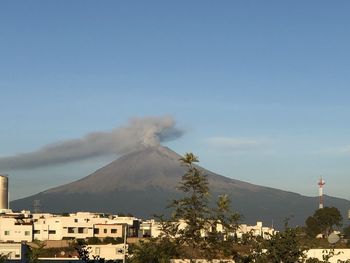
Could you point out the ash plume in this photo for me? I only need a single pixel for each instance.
(137, 134)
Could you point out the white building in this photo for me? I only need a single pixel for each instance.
(257, 230)
(13, 251)
(151, 228)
(82, 225)
(16, 227)
(108, 252)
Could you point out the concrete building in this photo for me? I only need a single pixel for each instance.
(151, 228)
(109, 230)
(16, 227)
(257, 230)
(82, 225)
(13, 251)
(108, 252)
(340, 255)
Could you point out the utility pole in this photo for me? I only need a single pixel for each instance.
(124, 249)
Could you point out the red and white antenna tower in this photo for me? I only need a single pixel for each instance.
(321, 183)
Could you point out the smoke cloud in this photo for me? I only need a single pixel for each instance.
(137, 134)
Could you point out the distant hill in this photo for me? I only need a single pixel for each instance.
(143, 182)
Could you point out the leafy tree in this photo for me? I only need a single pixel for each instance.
(34, 251)
(154, 251)
(312, 227)
(191, 232)
(285, 246)
(192, 210)
(346, 232)
(220, 243)
(323, 221)
(3, 258)
(83, 251)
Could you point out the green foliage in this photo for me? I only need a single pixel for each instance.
(199, 219)
(154, 251)
(93, 241)
(83, 251)
(182, 234)
(3, 258)
(192, 209)
(323, 221)
(282, 246)
(34, 251)
(346, 232)
(312, 227)
(106, 240)
(112, 240)
(192, 232)
(220, 243)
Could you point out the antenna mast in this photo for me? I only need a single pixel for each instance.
(321, 183)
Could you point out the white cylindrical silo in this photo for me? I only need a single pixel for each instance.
(4, 185)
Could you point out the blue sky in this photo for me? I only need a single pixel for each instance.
(259, 87)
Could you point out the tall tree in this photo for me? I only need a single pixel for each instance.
(323, 221)
(192, 210)
(192, 230)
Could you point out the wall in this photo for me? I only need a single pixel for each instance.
(344, 254)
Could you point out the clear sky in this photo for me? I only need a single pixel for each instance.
(260, 89)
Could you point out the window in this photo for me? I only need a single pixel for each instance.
(36, 231)
(6, 233)
(96, 231)
(71, 230)
(52, 232)
(105, 231)
(27, 233)
(114, 231)
(76, 220)
(81, 230)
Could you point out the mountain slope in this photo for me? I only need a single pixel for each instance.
(143, 183)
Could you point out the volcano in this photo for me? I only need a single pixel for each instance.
(144, 182)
